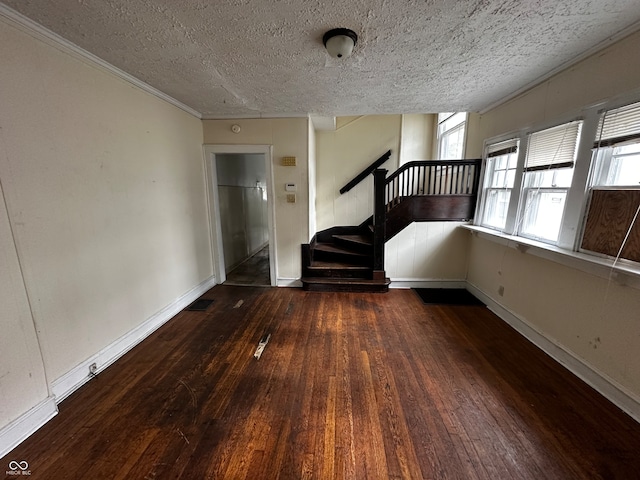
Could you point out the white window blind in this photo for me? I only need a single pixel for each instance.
(619, 125)
(502, 148)
(553, 148)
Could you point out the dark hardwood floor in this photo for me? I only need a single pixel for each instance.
(350, 386)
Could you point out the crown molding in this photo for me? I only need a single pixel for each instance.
(253, 116)
(52, 39)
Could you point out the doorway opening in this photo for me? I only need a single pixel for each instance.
(239, 180)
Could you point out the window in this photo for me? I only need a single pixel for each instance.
(612, 226)
(548, 171)
(499, 178)
(527, 194)
(451, 128)
(617, 148)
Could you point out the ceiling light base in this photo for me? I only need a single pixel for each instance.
(340, 42)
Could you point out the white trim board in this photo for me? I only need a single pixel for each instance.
(52, 39)
(213, 205)
(22, 427)
(65, 385)
(601, 382)
(426, 283)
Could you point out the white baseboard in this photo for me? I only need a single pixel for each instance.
(65, 385)
(17, 431)
(426, 283)
(289, 282)
(601, 382)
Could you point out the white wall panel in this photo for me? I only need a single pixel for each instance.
(428, 251)
(22, 378)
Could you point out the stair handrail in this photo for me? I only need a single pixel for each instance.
(366, 172)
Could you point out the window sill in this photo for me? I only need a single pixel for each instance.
(624, 272)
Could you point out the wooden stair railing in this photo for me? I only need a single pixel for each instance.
(432, 177)
(430, 190)
(352, 258)
(366, 172)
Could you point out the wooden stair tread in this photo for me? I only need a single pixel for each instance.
(331, 248)
(319, 264)
(357, 239)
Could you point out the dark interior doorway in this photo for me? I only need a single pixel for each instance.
(242, 192)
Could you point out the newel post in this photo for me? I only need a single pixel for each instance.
(379, 216)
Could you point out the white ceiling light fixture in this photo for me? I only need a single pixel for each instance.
(339, 42)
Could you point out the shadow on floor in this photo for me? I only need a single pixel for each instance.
(253, 271)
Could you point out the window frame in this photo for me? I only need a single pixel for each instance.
(524, 211)
(441, 135)
(530, 171)
(486, 179)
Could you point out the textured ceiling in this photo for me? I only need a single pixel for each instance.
(251, 58)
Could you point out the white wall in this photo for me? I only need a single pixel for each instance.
(288, 136)
(416, 138)
(312, 181)
(591, 318)
(105, 196)
(428, 252)
(344, 153)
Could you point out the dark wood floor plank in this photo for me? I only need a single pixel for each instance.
(350, 386)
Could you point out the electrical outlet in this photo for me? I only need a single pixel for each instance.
(501, 290)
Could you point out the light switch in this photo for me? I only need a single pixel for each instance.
(291, 198)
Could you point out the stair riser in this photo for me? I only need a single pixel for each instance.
(338, 273)
(314, 287)
(355, 246)
(341, 257)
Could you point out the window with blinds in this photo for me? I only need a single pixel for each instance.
(548, 172)
(553, 148)
(616, 156)
(502, 148)
(617, 126)
(500, 171)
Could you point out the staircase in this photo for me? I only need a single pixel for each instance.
(351, 258)
(340, 259)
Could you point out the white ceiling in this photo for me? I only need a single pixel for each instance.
(253, 58)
